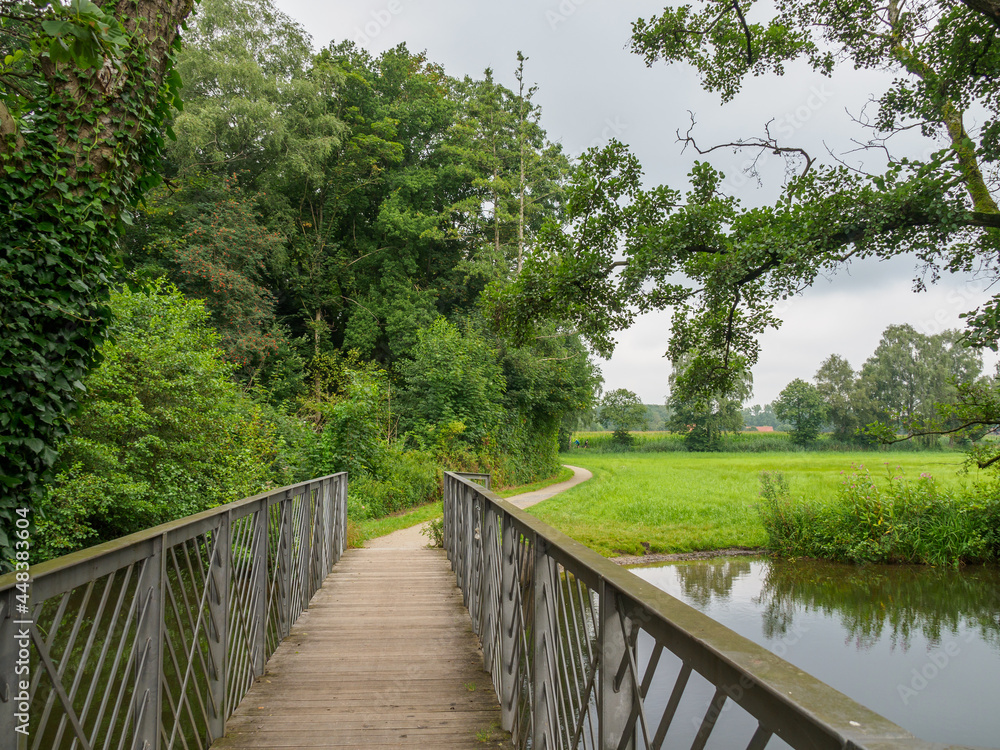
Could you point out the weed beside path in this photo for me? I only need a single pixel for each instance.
(643, 503)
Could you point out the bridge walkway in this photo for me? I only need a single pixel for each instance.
(385, 656)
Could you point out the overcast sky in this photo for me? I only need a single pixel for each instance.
(591, 89)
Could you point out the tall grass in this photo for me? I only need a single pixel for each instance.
(892, 520)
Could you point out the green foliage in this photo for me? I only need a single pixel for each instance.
(699, 413)
(352, 427)
(203, 233)
(846, 406)
(162, 433)
(85, 97)
(895, 521)
(622, 410)
(801, 405)
(454, 378)
(408, 479)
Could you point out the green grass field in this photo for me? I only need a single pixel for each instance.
(682, 502)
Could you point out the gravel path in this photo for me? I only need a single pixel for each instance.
(412, 538)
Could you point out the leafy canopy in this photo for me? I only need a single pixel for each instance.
(722, 266)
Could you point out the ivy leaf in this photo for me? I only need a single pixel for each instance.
(35, 444)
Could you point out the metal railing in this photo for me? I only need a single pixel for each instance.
(584, 654)
(152, 640)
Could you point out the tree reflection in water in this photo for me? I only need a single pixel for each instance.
(869, 601)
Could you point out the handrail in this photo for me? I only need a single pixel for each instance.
(152, 640)
(584, 654)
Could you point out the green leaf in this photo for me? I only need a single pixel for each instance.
(35, 444)
(56, 28)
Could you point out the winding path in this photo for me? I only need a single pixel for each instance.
(414, 538)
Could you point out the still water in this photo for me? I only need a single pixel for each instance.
(920, 646)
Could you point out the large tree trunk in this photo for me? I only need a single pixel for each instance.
(92, 146)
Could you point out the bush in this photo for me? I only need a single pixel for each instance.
(895, 521)
(162, 433)
(434, 531)
(408, 479)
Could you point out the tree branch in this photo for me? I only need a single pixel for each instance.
(768, 143)
(746, 31)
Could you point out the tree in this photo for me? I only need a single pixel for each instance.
(454, 382)
(163, 431)
(721, 266)
(911, 377)
(622, 410)
(205, 235)
(801, 405)
(86, 90)
(701, 414)
(836, 382)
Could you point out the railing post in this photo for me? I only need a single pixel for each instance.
(218, 625)
(334, 520)
(510, 635)
(446, 529)
(616, 698)
(319, 536)
(342, 513)
(285, 564)
(147, 696)
(305, 545)
(9, 687)
(491, 594)
(467, 545)
(476, 568)
(258, 615)
(543, 669)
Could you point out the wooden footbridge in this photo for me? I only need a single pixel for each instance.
(248, 626)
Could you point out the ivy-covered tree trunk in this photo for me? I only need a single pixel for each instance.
(84, 104)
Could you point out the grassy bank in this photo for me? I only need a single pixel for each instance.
(682, 502)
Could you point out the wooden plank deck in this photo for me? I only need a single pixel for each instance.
(384, 657)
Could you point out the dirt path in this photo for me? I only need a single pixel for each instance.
(412, 538)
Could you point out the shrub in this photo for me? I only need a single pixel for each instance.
(895, 521)
(162, 433)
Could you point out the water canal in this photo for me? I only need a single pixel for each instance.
(919, 645)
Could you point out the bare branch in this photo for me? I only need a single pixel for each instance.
(361, 306)
(767, 144)
(365, 256)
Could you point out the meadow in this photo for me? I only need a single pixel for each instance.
(684, 502)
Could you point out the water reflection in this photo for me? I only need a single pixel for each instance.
(702, 583)
(919, 645)
(870, 602)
